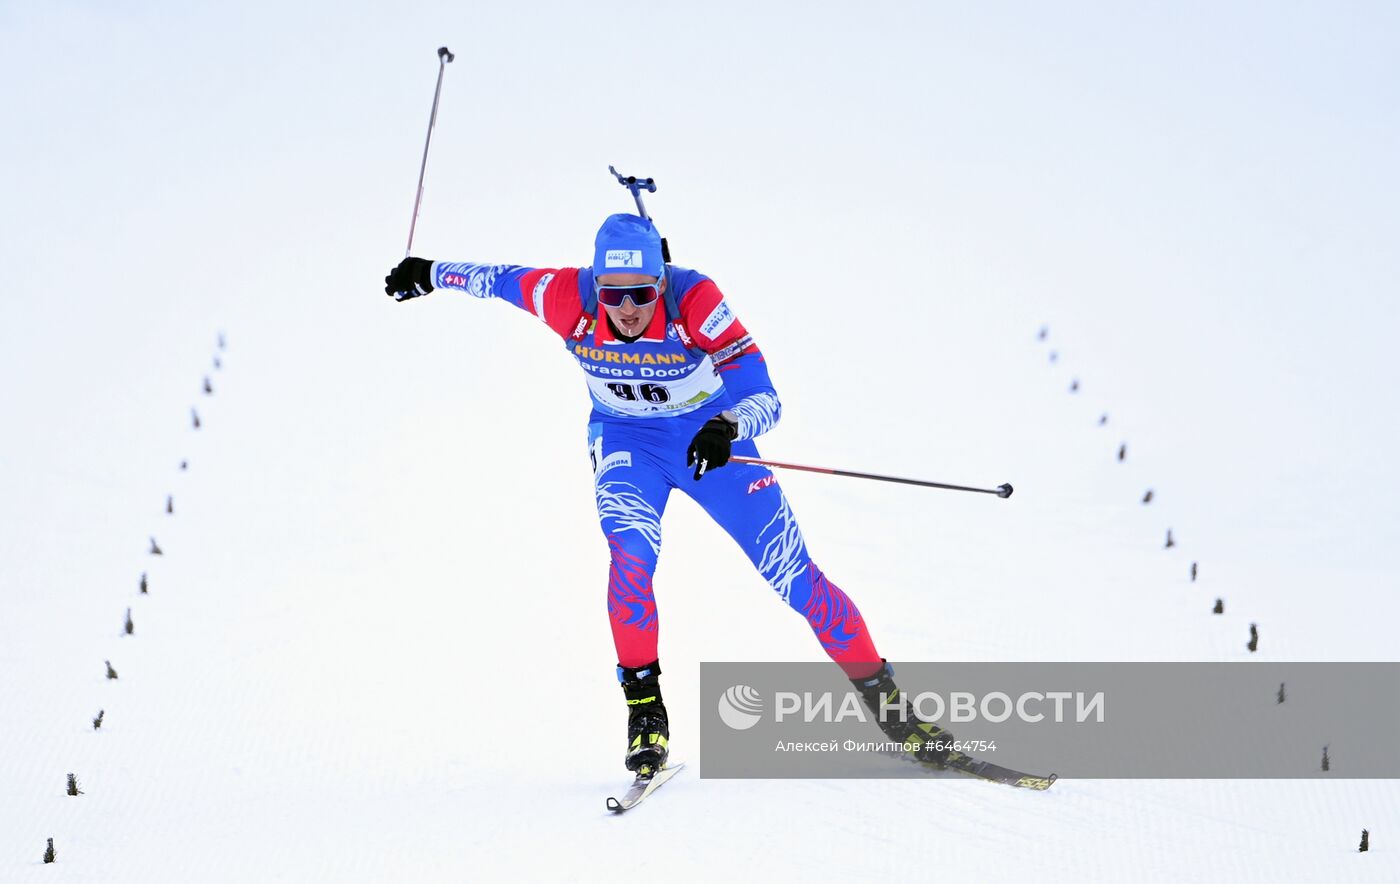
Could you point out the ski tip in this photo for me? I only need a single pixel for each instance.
(1039, 784)
(642, 786)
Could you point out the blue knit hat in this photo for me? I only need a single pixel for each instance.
(628, 244)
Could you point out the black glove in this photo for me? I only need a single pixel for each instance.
(709, 450)
(412, 278)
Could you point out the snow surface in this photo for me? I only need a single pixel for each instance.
(376, 647)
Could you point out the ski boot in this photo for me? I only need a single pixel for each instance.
(648, 729)
(918, 737)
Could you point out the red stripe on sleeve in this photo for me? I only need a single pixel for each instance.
(704, 304)
(552, 296)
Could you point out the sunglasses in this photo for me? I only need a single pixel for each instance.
(640, 295)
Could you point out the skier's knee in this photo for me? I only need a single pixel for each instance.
(631, 602)
(631, 552)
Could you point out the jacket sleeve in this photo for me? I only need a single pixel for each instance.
(713, 325)
(550, 295)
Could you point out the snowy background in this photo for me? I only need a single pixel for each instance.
(376, 647)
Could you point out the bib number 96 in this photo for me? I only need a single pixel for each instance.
(640, 392)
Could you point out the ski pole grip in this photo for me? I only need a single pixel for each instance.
(1004, 490)
(445, 54)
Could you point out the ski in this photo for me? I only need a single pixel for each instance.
(982, 770)
(995, 773)
(643, 786)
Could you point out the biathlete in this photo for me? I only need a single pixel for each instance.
(678, 385)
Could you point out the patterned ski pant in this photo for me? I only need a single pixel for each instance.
(636, 464)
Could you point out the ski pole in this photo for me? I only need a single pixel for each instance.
(1000, 491)
(444, 56)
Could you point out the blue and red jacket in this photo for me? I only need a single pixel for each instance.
(695, 353)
